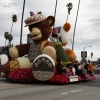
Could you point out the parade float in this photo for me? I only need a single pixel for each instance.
(48, 61)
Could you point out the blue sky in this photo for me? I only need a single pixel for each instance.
(87, 28)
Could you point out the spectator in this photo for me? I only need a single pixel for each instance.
(86, 67)
(96, 69)
(80, 70)
(76, 64)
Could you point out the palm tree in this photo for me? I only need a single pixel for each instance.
(75, 25)
(98, 59)
(69, 7)
(6, 48)
(22, 21)
(91, 54)
(6, 35)
(10, 38)
(14, 20)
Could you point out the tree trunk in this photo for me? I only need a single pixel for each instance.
(22, 21)
(75, 25)
(11, 28)
(5, 43)
(67, 18)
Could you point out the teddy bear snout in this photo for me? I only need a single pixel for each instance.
(35, 33)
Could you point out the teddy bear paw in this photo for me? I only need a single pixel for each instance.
(3, 64)
(43, 67)
(3, 59)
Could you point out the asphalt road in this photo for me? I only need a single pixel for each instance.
(88, 90)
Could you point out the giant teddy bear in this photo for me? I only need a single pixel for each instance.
(41, 53)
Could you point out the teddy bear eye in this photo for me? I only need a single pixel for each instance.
(30, 28)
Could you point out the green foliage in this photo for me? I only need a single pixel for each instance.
(98, 59)
(14, 18)
(5, 49)
(91, 54)
(69, 6)
(8, 37)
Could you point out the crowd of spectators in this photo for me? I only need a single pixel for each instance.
(80, 68)
(83, 68)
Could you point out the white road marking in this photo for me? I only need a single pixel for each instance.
(11, 86)
(71, 91)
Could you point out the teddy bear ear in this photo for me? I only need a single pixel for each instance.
(51, 20)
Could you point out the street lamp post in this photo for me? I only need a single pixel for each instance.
(87, 46)
(85, 53)
(22, 21)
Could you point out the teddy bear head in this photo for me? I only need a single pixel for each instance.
(39, 26)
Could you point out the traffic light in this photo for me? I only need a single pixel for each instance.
(83, 54)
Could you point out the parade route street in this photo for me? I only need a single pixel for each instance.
(88, 90)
